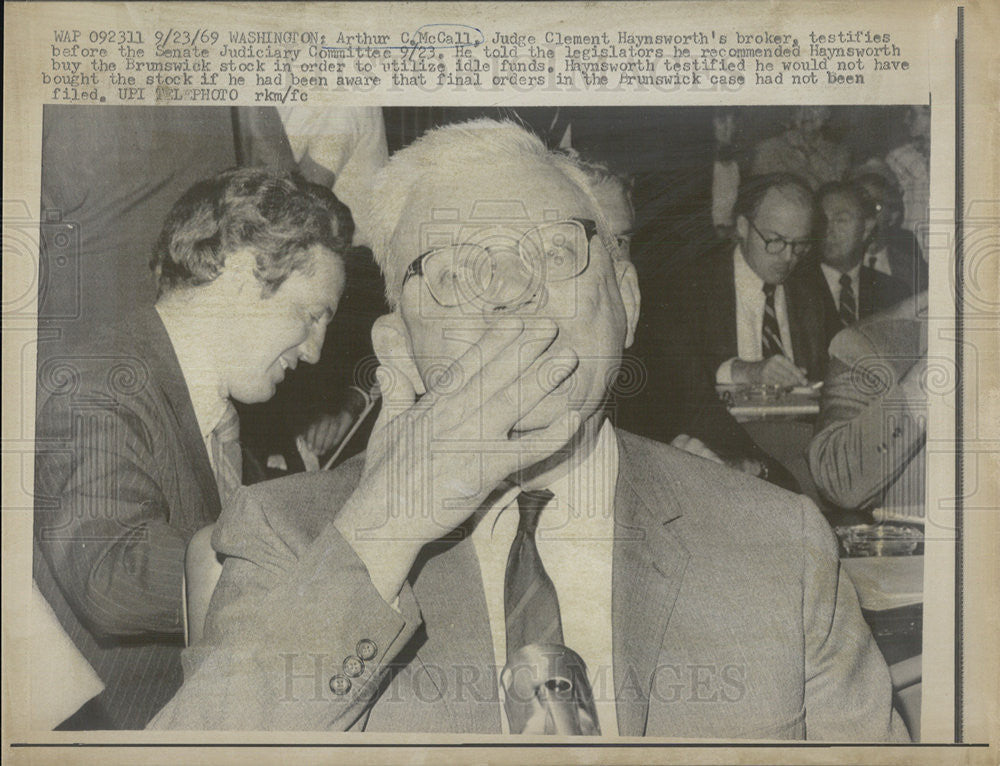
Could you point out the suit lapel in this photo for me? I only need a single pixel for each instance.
(648, 565)
(867, 287)
(449, 589)
(166, 371)
(720, 292)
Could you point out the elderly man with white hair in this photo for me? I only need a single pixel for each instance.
(498, 523)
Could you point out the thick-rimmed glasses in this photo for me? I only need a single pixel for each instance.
(500, 268)
(776, 245)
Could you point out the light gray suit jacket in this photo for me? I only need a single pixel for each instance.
(868, 448)
(730, 618)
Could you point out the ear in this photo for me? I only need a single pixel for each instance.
(391, 343)
(238, 273)
(628, 286)
(742, 228)
(869, 228)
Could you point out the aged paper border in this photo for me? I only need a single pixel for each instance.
(975, 665)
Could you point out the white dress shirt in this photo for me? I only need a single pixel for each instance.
(750, 300)
(201, 378)
(575, 540)
(833, 282)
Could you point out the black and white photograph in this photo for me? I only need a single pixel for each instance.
(571, 420)
(549, 383)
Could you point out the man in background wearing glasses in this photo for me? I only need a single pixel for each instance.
(499, 522)
(743, 313)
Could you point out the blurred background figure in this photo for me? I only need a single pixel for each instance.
(911, 164)
(804, 150)
(849, 222)
(340, 147)
(892, 249)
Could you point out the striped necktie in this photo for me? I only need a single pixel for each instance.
(770, 337)
(227, 457)
(531, 605)
(848, 308)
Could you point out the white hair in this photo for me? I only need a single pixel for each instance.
(444, 153)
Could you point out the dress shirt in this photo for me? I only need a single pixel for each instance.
(833, 282)
(200, 376)
(575, 540)
(879, 261)
(750, 302)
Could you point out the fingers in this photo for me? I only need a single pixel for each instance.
(539, 445)
(542, 378)
(781, 371)
(502, 355)
(398, 395)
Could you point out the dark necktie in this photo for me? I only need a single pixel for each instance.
(531, 606)
(227, 456)
(848, 308)
(770, 338)
(872, 261)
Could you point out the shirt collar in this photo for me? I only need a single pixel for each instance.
(833, 277)
(200, 376)
(746, 279)
(592, 479)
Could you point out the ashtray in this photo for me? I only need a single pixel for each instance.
(879, 539)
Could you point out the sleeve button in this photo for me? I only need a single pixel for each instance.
(366, 649)
(354, 667)
(340, 684)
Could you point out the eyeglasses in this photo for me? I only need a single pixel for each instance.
(502, 270)
(776, 245)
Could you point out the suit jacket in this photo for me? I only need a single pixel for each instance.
(869, 442)
(906, 261)
(699, 330)
(877, 292)
(730, 618)
(122, 482)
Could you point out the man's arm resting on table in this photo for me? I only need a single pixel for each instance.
(848, 695)
(287, 626)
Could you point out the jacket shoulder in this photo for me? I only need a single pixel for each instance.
(716, 508)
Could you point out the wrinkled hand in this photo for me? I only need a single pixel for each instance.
(327, 432)
(431, 462)
(777, 370)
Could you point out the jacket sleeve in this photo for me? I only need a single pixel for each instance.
(848, 695)
(102, 520)
(297, 637)
(866, 434)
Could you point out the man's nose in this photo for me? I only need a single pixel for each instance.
(310, 348)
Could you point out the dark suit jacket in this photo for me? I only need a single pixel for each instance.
(122, 482)
(730, 618)
(877, 292)
(906, 261)
(704, 315)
